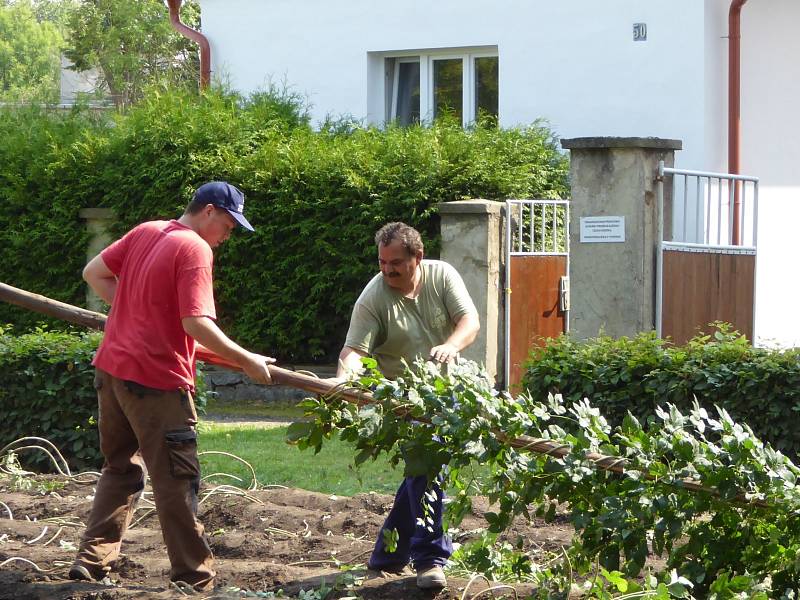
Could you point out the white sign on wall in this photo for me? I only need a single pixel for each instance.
(602, 229)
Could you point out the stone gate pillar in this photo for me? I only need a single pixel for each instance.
(98, 221)
(472, 242)
(613, 223)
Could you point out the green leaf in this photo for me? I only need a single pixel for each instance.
(615, 578)
(390, 539)
(474, 448)
(299, 430)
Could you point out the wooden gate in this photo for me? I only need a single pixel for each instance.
(537, 288)
(701, 275)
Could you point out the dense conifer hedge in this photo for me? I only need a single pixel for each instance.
(315, 195)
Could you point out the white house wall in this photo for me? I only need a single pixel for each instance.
(715, 156)
(770, 149)
(770, 145)
(573, 63)
(74, 83)
(550, 66)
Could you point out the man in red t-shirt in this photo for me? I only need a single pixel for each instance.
(158, 280)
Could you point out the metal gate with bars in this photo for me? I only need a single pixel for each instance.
(537, 286)
(702, 274)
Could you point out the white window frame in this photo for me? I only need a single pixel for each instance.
(426, 99)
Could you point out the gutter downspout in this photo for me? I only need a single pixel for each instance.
(196, 36)
(734, 112)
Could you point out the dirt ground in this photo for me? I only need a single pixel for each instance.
(275, 539)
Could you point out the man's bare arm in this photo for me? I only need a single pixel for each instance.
(349, 362)
(206, 332)
(100, 278)
(463, 335)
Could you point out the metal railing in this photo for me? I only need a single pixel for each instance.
(706, 221)
(538, 227)
(710, 220)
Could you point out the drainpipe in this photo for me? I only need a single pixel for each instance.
(734, 110)
(196, 36)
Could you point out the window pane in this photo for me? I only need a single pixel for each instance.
(408, 93)
(448, 88)
(486, 86)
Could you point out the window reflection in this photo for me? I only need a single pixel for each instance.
(448, 87)
(408, 93)
(486, 94)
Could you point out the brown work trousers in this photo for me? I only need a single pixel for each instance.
(143, 431)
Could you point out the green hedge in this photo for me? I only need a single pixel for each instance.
(316, 198)
(758, 386)
(42, 245)
(47, 390)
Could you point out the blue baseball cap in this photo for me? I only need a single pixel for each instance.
(224, 195)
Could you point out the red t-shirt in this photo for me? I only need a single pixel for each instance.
(164, 274)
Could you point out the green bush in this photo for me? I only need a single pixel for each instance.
(316, 198)
(42, 242)
(47, 390)
(757, 386)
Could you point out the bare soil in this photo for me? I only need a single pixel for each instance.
(278, 539)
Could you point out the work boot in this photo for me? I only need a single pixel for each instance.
(431, 578)
(80, 573)
(395, 569)
(189, 588)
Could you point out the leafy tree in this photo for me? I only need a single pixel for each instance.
(56, 12)
(132, 44)
(29, 54)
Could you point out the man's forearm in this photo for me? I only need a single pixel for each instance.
(465, 332)
(205, 332)
(211, 337)
(349, 362)
(105, 288)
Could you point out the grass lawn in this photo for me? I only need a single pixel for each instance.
(255, 408)
(275, 462)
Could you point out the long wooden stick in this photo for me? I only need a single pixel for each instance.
(52, 308)
(95, 320)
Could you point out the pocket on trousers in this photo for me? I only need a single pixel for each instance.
(182, 446)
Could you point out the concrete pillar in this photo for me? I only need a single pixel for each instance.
(613, 283)
(98, 221)
(472, 242)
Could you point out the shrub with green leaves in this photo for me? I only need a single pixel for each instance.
(316, 198)
(47, 390)
(42, 239)
(695, 486)
(757, 386)
(496, 560)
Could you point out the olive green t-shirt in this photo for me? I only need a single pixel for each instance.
(390, 327)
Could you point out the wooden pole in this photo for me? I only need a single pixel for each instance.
(95, 320)
(52, 308)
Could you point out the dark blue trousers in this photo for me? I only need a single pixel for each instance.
(416, 544)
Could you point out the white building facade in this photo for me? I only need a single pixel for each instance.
(588, 67)
(76, 83)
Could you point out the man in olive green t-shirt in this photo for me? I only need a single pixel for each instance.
(412, 308)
